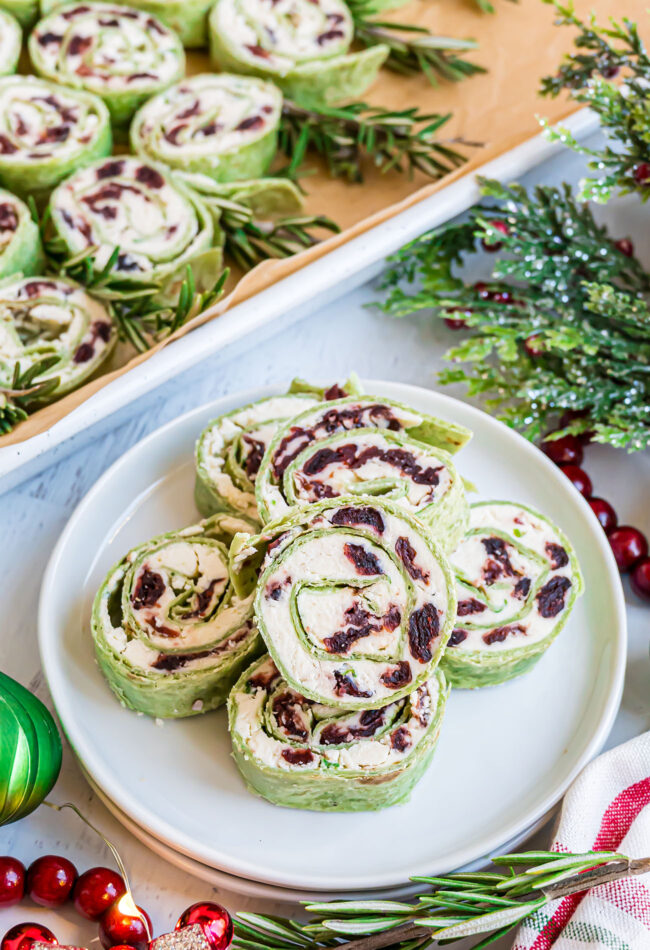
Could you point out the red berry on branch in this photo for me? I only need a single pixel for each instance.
(625, 246)
(482, 290)
(578, 478)
(629, 546)
(499, 226)
(50, 880)
(564, 451)
(610, 72)
(641, 173)
(120, 924)
(215, 920)
(96, 890)
(640, 579)
(12, 881)
(22, 936)
(532, 345)
(605, 513)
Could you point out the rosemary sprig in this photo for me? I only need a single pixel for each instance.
(414, 49)
(249, 240)
(402, 140)
(562, 325)
(24, 392)
(603, 54)
(461, 905)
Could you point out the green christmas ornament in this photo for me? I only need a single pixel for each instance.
(30, 751)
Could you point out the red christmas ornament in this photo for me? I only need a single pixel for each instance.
(579, 479)
(605, 513)
(50, 880)
(215, 920)
(22, 936)
(120, 924)
(629, 546)
(12, 881)
(96, 890)
(640, 579)
(564, 451)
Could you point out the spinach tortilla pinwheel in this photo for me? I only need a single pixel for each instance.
(230, 448)
(517, 578)
(21, 251)
(121, 54)
(47, 131)
(171, 635)
(11, 38)
(187, 18)
(48, 317)
(24, 11)
(301, 754)
(302, 45)
(300, 438)
(158, 226)
(355, 600)
(222, 126)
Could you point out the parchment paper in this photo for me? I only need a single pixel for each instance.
(518, 44)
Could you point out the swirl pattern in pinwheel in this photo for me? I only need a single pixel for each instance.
(20, 242)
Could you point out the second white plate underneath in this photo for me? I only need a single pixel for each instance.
(506, 755)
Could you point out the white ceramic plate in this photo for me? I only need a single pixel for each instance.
(506, 754)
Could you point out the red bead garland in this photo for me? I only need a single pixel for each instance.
(98, 894)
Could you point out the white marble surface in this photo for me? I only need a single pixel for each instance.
(328, 344)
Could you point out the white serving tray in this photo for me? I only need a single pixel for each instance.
(287, 301)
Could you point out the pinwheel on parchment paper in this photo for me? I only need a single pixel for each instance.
(187, 18)
(119, 53)
(355, 600)
(230, 449)
(21, 251)
(517, 578)
(302, 754)
(171, 633)
(47, 131)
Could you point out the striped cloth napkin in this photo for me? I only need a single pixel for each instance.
(606, 808)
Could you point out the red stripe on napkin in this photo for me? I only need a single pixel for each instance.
(615, 824)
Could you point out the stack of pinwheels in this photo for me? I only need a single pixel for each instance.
(338, 587)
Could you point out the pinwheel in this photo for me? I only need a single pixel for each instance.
(517, 578)
(301, 754)
(24, 11)
(11, 38)
(47, 132)
(223, 126)
(20, 243)
(187, 18)
(302, 45)
(300, 438)
(121, 54)
(53, 320)
(355, 600)
(230, 448)
(130, 217)
(171, 635)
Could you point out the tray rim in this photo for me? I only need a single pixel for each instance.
(616, 672)
(323, 280)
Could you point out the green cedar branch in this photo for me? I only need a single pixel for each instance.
(25, 392)
(561, 326)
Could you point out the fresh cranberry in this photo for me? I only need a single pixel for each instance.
(12, 881)
(610, 72)
(497, 245)
(641, 174)
(501, 296)
(96, 890)
(120, 924)
(640, 579)
(629, 546)
(564, 451)
(455, 323)
(215, 920)
(605, 513)
(578, 478)
(571, 415)
(625, 246)
(532, 345)
(50, 880)
(482, 290)
(22, 936)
